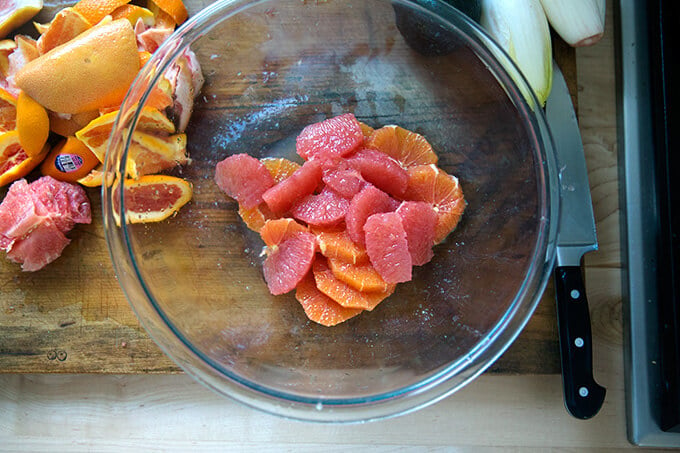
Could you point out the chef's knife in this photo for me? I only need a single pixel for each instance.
(583, 397)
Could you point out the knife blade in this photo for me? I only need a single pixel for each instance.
(583, 397)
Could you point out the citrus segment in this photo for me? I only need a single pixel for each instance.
(387, 247)
(419, 220)
(431, 184)
(368, 201)
(362, 277)
(279, 167)
(366, 130)
(406, 147)
(69, 161)
(324, 209)
(153, 198)
(15, 163)
(275, 231)
(346, 182)
(342, 293)
(320, 308)
(66, 25)
(8, 111)
(174, 8)
(336, 244)
(244, 179)
(380, 170)
(334, 137)
(33, 124)
(281, 197)
(17, 13)
(288, 262)
(96, 10)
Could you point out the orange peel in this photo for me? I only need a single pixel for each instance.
(153, 198)
(32, 124)
(14, 162)
(96, 10)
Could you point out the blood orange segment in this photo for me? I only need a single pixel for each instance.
(244, 179)
(275, 231)
(301, 183)
(288, 262)
(362, 277)
(406, 147)
(387, 247)
(336, 243)
(380, 170)
(334, 137)
(419, 220)
(319, 307)
(342, 293)
(154, 198)
(279, 167)
(369, 201)
(325, 209)
(431, 184)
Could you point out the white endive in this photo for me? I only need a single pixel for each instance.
(578, 22)
(521, 29)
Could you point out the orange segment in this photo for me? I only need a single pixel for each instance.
(341, 292)
(14, 162)
(279, 167)
(432, 184)
(362, 277)
(33, 124)
(96, 10)
(366, 129)
(8, 111)
(337, 244)
(277, 230)
(153, 198)
(407, 147)
(174, 8)
(66, 25)
(319, 307)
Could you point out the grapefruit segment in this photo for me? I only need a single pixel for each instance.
(380, 170)
(244, 179)
(334, 137)
(342, 293)
(404, 146)
(325, 209)
(432, 184)
(368, 201)
(288, 262)
(281, 197)
(320, 308)
(346, 182)
(419, 220)
(387, 247)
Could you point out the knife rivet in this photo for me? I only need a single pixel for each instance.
(583, 392)
(578, 342)
(575, 294)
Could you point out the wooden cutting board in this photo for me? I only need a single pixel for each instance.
(72, 316)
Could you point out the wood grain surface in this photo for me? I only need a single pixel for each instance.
(494, 413)
(72, 317)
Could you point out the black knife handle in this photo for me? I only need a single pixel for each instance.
(583, 397)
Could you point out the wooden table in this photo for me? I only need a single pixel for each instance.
(500, 411)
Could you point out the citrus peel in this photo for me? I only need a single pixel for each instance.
(33, 124)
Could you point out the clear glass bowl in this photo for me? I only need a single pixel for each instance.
(273, 67)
